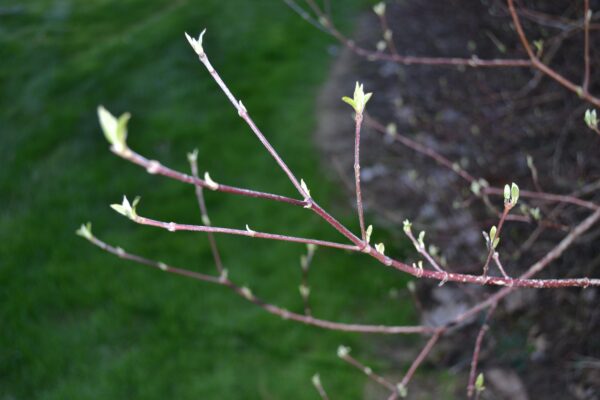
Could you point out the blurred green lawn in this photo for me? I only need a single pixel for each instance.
(78, 323)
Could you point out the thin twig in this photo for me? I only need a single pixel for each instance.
(243, 113)
(459, 171)
(549, 197)
(309, 320)
(380, 380)
(474, 62)
(306, 16)
(204, 212)
(536, 63)
(305, 262)
(534, 173)
(316, 380)
(359, 203)
(437, 275)
(270, 308)
(173, 227)
(496, 258)
(587, 16)
(491, 249)
(477, 349)
(421, 357)
(540, 265)
(387, 34)
(155, 168)
(422, 250)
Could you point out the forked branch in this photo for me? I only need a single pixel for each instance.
(115, 129)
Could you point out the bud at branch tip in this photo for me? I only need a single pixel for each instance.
(360, 99)
(196, 43)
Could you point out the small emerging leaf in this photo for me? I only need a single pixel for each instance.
(305, 188)
(402, 391)
(379, 8)
(85, 231)
(304, 291)
(380, 247)
(514, 193)
(316, 380)
(114, 129)
(127, 209)
(196, 43)
(539, 46)
(350, 101)
(476, 188)
(250, 231)
(421, 239)
(360, 99)
(304, 262)
(192, 156)
(529, 161)
(391, 129)
(224, 277)
(368, 233)
(496, 242)
(591, 119)
(479, 383)
(212, 185)
(247, 293)
(493, 233)
(343, 351)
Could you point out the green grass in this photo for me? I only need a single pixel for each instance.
(78, 323)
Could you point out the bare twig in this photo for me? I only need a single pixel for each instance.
(536, 63)
(420, 247)
(172, 227)
(420, 358)
(243, 113)
(154, 167)
(387, 34)
(541, 264)
(344, 354)
(316, 381)
(496, 258)
(476, 351)
(270, 308)
(587, 16)
(491, 246)
(437, 275)
(474, 62)
(359, 203)
(193, 159)
(459, 171)
(306, 16)
(305, 262)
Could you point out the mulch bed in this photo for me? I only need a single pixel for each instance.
(489, 121)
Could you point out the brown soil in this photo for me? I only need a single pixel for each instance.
(488, 121)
